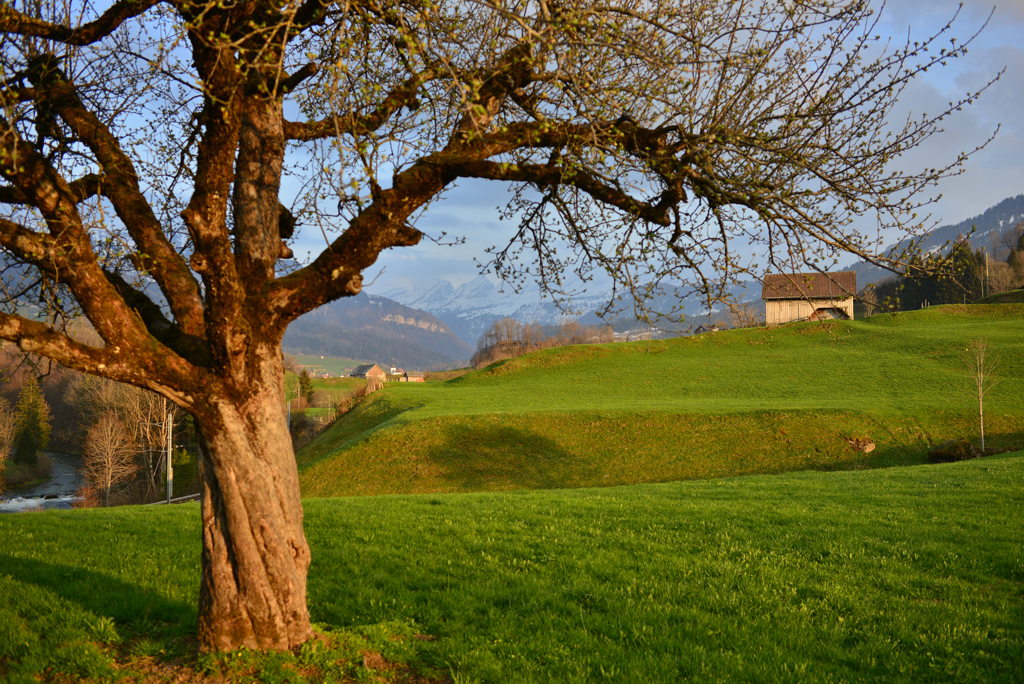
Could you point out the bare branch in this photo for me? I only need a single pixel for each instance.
(13, 21)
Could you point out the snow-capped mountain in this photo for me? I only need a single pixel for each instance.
(473, 306)
(989, 224)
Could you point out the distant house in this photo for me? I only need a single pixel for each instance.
(370, 372)
(414, 376)
(808, 296)
(710, 327)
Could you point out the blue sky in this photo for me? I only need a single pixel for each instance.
(997, 172)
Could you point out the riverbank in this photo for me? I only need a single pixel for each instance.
(55, 492)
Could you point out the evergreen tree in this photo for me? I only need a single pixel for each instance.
(306, 386)
(33, 423)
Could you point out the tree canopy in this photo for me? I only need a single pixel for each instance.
(158, 155)
(33, 422)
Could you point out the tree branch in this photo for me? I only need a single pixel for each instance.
(13, 21)
(83, 188)
(542, 176)
(155, 254)
(360, 124)
(112, 362)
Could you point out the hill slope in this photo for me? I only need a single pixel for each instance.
(763, 400)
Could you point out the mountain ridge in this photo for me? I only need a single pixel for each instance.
(989, 223)
(376, 328)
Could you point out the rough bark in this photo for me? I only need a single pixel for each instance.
(255, 555)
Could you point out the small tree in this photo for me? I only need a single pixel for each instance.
(981, 365)
(109, 455)
(33, 417)
(306, 387)
(8, 431)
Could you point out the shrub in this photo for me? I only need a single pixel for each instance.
(953, 450)
(43, 466)
(33, 417)
(8, 431)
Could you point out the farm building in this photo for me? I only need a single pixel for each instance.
(414, 376)
(808, 296)
(370, 372)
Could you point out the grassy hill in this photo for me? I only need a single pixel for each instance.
(898, 575)
(736, 402)
(1008, 297)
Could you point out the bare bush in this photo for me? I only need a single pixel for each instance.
(143, 414)
(88, 497)
(745, 315)
(43, 466)
(109, 455)
(508, 338)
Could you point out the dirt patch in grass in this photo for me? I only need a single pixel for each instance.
(341, 658)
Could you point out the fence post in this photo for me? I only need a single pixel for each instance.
(170, 461)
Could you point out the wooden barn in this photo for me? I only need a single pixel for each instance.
(808, 296)
(370, 372)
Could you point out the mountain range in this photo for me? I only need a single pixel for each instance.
(472, 307)
(379, 330)
(989, 224)
(442, 324)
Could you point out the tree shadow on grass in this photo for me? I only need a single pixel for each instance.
(475, 456)
(101, 594)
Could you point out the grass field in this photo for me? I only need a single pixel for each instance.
(735, 402)
(899, 575)
(333, 365)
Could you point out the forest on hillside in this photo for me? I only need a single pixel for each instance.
(972, 273)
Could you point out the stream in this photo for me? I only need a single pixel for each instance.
(57, 492)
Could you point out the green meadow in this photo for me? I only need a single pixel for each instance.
(334, 365)
(688, 510)
(909, 574)
(728, 403)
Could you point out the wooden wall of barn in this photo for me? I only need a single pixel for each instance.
(779, 311)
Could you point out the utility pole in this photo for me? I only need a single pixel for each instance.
(170, 464)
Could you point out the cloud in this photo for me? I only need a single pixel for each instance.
(921, 12)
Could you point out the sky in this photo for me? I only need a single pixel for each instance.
(470, 209)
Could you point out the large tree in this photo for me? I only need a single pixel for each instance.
(144, 143)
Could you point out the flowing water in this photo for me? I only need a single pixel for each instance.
(57, 492)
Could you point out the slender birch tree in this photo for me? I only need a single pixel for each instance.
(158, 155)
(981, 365)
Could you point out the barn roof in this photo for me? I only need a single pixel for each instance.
(809, 285)
(363, 370)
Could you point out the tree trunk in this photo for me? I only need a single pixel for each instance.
(255, 554)
(981, 415)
